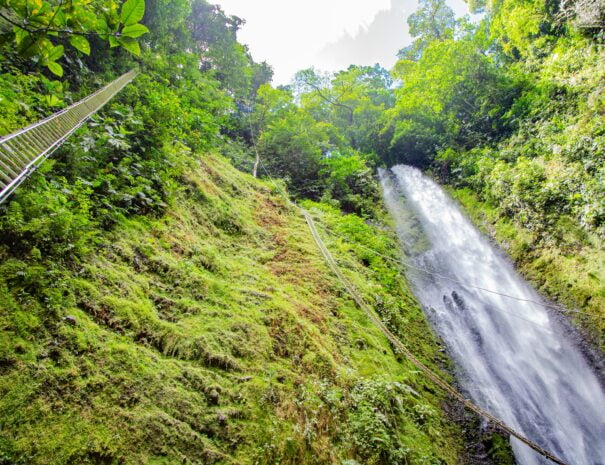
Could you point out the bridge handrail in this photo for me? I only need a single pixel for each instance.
(24, 150)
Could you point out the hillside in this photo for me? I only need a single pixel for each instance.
(162, 299)
(216, 334)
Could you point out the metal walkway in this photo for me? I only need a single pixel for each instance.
(23, 151)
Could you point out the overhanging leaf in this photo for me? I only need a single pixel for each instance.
(132, 12)
(20, 34)
(131, 45)
(55, 53)
(134, 30)
(60, 18)
(102, 26)
(80, 43)
(55, 68)
(28, 48)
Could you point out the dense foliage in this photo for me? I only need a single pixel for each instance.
(487, 103)
(156, 305)
(319, 134)
(508, 106)
(121, 162)
(159, 306)
(39, 29)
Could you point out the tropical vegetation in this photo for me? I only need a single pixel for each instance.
(158, 304)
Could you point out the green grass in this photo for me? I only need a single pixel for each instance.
(216, 334)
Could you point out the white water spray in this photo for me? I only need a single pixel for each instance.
(514, 358)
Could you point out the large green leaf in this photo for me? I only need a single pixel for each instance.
(131, 45)
(52, 100)
(55, 53)
(55, 68)
(80, 43)
(134, 30)
(28, 48)
(102, 27)
(132, 12)
(20, 35)
(113, 41)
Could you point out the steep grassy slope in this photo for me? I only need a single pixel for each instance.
(215, 334)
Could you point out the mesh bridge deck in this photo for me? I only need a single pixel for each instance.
(23, 151)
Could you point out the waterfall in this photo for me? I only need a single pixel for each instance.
(513, 358)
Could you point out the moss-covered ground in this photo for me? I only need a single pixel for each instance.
(216, 334)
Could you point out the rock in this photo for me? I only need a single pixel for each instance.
(214, 397)
(137, 263)
(458, 300)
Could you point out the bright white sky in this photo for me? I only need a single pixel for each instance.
(327, 34)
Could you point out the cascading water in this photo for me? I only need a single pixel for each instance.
(514, 358)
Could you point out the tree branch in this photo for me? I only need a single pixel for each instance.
(54, 15)
(332, 102)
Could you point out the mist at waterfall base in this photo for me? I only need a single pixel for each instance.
(513, 358)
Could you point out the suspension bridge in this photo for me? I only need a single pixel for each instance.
(22, 152)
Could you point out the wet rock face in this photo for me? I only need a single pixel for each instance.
(485, 445)
(458, 300)
(455, 302)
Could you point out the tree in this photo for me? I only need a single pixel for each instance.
(352, 100)
(348, 180)
(292, 148)
(215, 36)
(310, 83)
(454, 95)
(434, 20)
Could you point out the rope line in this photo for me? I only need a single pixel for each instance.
(497, 308)
(410, 356)
(449, 278)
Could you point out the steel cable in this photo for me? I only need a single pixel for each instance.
(463, 284)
